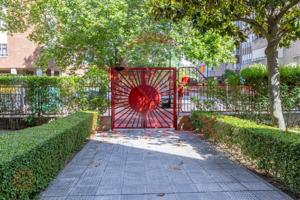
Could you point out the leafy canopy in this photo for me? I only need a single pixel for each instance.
(272, 19)
(110, 33)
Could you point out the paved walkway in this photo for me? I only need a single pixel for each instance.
(161, 164)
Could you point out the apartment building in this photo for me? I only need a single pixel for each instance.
(252, 51)
(18, 55)
(289, 55)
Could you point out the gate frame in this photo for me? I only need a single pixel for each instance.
(113, 72)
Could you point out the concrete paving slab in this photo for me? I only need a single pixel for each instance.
(155, 164)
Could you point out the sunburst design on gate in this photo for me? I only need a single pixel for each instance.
(144, 98)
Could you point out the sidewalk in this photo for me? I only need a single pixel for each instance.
(156, 164)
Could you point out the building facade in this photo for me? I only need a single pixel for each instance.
(18, 55)
(286, 56)
(252, 51)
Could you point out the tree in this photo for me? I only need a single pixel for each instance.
(278, 21)
(108, 33)
(210, 48)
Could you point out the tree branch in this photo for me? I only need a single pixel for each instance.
(253, 23)
(285, 9)
(283, 31)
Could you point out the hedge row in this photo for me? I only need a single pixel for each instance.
(44, 95)
(30, 158)
(257, 74)
(273, 151)
(38, 81)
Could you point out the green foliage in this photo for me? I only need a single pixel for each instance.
(110, 33)
(93, 121)
(277, 21)
(31, 158)
(271, 19)
(93, 95)
(36, 81)
(242, 101)
(43, 94)
(273, 151)
(251, 102)
(256, 77)
(253, 73)
(211, 48)
(228, 72)
(232, 77)
(48, 95)
(289, 75)
(291, 96)
(223, 97)
(196, 120)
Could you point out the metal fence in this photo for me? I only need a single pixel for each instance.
(19, 101)
(50, 101)
(226, 98)
(220, 98)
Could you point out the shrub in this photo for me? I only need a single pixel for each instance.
(289, 75)
(232, 77)
(37, 81)
(256, 75)
(93, 121)
(42, 95)
(91, 98)
(273, 151)
(30, 158)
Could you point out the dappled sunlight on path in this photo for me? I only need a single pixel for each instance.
(155, 164)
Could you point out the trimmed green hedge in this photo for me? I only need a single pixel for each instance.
(256, 75)
(275, 152)
(30, 158)
(44, 95)
(38, 81)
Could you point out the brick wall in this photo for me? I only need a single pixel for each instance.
(21, 53)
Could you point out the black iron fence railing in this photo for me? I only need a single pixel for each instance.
(226, 98)
(20, 101)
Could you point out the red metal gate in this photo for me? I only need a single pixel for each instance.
(144, 98)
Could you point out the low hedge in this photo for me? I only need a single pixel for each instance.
(274, 152)
(256, 75)
(31, 158)
(34, 81)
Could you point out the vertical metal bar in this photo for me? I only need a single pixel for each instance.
(175, 98)
(178, 97)
(143, 80)
(112, 77)
(109, 98)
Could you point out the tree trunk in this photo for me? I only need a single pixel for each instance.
(274, 84)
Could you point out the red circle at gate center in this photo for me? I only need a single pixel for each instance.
(144, 98)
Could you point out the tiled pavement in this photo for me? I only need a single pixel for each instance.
(155, 164)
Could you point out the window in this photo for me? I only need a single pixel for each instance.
(297, 59)
(3, 50)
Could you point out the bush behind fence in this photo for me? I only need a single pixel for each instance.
(53, 96)
(49, 100)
